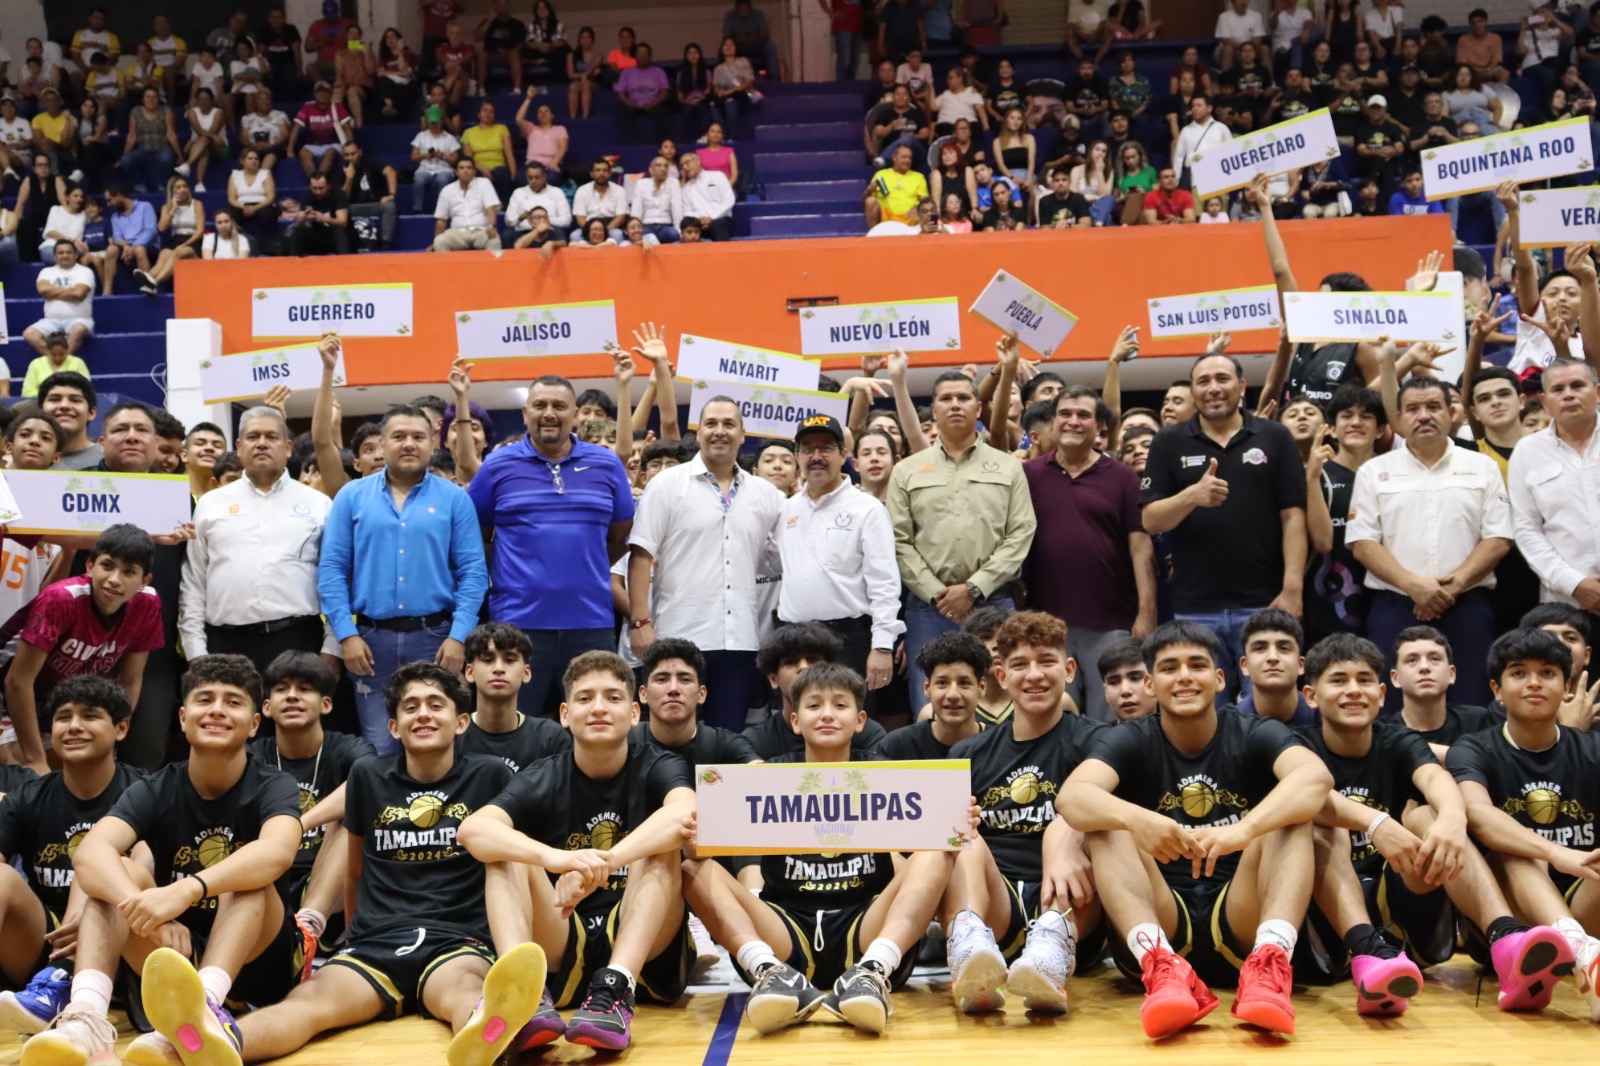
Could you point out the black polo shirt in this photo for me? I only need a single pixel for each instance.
(1229, 556)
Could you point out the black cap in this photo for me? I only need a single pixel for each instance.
(820, 424)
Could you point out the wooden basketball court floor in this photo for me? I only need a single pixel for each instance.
(1450, 1022)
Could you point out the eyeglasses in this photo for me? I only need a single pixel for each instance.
(555, 477)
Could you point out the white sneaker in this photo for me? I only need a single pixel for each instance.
(76, 177)
(1589, 981)
(200, 187)
(152, 1049)
(78, 1036)
(1040, 973)
(705, 949)
(182, 169)
(977, 969)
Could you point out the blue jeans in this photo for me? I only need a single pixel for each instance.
(923, 623)
(148, 171)
(1474, 199)
(846, 55)
(8, 251)
(553, 649)
(390, 651)
(1228, 625)
(422, 182)
(1102, 209)
(663, 232)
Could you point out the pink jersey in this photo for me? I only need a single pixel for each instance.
(321, 123)
(64, 624)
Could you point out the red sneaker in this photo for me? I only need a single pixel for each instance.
(1265, 982)
(1174, 996)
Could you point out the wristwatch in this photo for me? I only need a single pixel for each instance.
(975, 592)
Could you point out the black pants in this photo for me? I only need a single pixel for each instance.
(553, 650)
(733, 686)
(319, 240)
(150, 729)
(261, 648)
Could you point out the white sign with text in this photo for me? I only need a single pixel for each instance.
(74, 502)
(1017, 307)
(382, 310)
(768, 410)
(705, 359)
(525, 332)
(860, 329)
(1366, 316)
(247, 375)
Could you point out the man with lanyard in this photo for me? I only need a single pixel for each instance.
(1203, 132)
(401, 574)
(558, 512)
(839, 543)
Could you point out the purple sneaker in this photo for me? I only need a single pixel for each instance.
(176, 1003)
(607, 1012)
(546, 1025)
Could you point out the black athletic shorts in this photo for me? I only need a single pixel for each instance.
(398, 961)
(824, 943)
(1424, 924)
(271, 975)
(589, 939)
(333, 927)
(1201, 938)
(1024, 899)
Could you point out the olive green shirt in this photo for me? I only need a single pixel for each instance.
(959, 520)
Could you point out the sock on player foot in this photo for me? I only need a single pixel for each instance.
(1366, 940)
(1574, 932)
(1503, 927)
(92, 989)
(216, 982)
(885, 953)
(1057, 920)
(1278, 932)
(625, 972)
(313, 920)
(1142, 939)
(756, 954)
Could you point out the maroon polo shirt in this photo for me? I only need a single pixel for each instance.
(1080, 568)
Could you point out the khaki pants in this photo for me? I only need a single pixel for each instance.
(466, 240)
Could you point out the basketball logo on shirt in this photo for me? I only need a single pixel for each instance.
(1199, 797)
(603, 833)
(1541, 801)
(210, 847)
(65, 849)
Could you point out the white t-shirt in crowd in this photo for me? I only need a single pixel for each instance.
(67, 310)
(264, 129)
(1232, 26)
(953, 106)
(1288, 28)
(16, 134)
(443, 142)
(221, 249)
(467, 209)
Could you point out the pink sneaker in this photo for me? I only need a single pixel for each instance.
(1384, 986)
(1529, 964)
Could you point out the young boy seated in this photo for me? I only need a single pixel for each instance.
(402, 813)
(1381, 868)
(1532, 794)
(783, 655)
(1126, 681)
(955, 666)
(39, 825)
(1023, 893)
(498, 665)
(299, 690)
(98, 624)
(599, 829)
(672, 693)
(222, 828)
(1199, 829)
(1423, 671)
(1571, 626)
(1274, 646)
(851, 922)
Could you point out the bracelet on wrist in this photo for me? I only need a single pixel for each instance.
(1376, 822)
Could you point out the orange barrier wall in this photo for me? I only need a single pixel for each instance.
(738, 291)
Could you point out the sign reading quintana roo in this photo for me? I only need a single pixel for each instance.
(705, 359)
(856, 329)
(522, 332)
(1231, 310)
(1554, 218)
(247, 375)
(800, 808)
(1017, 307)
(1549, 151)
(1366, 316)
(382, 310)
(87, 501)
(769, 411)
(1299, 142)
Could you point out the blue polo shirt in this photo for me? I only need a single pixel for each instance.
(549, 568)
(387, 562)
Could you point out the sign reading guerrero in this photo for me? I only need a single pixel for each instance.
(1554, 218)
(1016, 307)
(247, 375)
(1211, 312)
(768, 411)
(87, 501)
(352, 310)
(704, 359)
(1366, 316)
(522, 332)
(1549, 151)
(798, 808)
(856, 329)
(1277, 149)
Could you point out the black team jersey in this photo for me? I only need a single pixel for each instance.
(710, 744)
(1555, 792)
(1460, 719)
(1215, 786)
(1380, 779)
(560, 806)
(773, 736)
(519, 748)
(187, 834)
(412, 868)
(42, 822)
(1016, 783)
(317, 777)
(832, 881)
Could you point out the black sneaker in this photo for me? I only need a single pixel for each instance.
(861, 997)
(781, 997)
(604, 1018)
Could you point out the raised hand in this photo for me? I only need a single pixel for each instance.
(1127, 345)
(622, 368)
(1218, 343)
(1007, 351)
(899, 363)
(871, 364)
(1258, 193)
(277, 398)
(461, 382)
(1508, 193)
(1486, 322)
(651, 343)
(1580, 262)
(1321, 452)
(1427, 275)
(329, 348)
